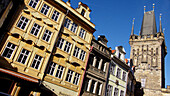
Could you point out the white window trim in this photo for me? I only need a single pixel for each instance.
(60, 71)
(24, 54)
(33, 3)
(9, 48)
(45, 9)
(35, 29)
(47, 34)
(57, 14)
(36, 62)
(23, 22)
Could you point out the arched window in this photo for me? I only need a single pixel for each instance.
(83, 12)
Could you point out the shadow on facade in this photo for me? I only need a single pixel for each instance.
(138, 89)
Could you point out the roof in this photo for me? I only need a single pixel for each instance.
(148, 24)
(113, 51)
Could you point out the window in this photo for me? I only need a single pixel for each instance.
(67, 23)
(55, 15)
(99, 88)
(119, 56)
(33, 3)
(92, 86)
(45, 9)
(143, 82)
(22, 22)
(67, 47)
(118, 73)
(9, 49)
(121, 93)
(76, 79)
(116, 92)
(35, 29)
(47, 35)
(82, 55)
(23, 56)
(82, 33)
(36, 62)
(74, 27)
(83, 12)
(109, 90)
(87, 82)
(124, 76)
(60, 43)
(112, 69)
(69, 75)
(60, 71)
(51, 68)
(76, 51)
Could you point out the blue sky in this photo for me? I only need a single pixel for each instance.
(113, 18)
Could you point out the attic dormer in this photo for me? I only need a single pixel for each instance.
(120, 52)
(84, 10)
(102, 39)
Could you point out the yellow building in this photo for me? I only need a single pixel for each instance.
(65, 72)
(117, 80)
(44, 40)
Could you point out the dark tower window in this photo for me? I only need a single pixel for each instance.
(83, 12)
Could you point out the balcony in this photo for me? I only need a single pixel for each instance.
(96, 71)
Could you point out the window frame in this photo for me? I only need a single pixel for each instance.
(23, 56)
(34, 3)
(9, 50)
(45, 10)
(116, 91)
(67, 47)
(82, 33)
(118, 75)
(82, 55)
(60, 43)
(69, 76)
(76, 52)
(67, 23)
(122, 93)
(52, 68)
(74, 27)
(109, 90)
(22, 23)
(112, 69)
(76, 79)
(36, 61)
(35, 29)
(124, 76)
(55, 15)
(59, 72)
(45, 38)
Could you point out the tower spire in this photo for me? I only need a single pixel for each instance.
(160, 24)
(132, 31)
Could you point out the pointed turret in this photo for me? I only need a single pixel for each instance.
(160, 24)
(149, 23)
(132, 32)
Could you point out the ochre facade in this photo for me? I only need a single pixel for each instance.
(44, 47)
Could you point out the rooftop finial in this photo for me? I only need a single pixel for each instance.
(144, 8)
(160, 24)
(68, 3)
(163, 30)
(153, 6)
(132, 32)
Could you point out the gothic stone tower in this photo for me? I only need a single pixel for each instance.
(148, 51)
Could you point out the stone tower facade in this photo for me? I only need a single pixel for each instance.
(148, 51)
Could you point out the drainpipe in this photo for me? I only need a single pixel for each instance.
(53, 49)
(85, 71)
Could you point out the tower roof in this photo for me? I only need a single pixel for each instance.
(148, 24)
